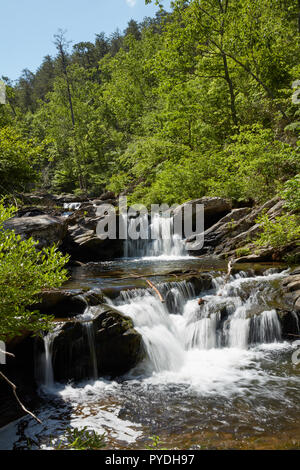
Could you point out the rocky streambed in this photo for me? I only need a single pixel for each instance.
(135, 361)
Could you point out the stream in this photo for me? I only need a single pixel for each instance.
(210, 380)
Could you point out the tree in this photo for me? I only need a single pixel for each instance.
(62, 47)
(44, 79)
(18, 160)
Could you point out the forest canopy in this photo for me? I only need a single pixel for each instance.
(194, 102)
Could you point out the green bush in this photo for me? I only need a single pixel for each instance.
(291, 193)
(243, 251)
(81, 439)
(24, 272)
(279, 232)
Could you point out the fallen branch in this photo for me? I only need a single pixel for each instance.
(156, 290)
(229, 271)
(7, 353)
(14, 389)
(230, 266)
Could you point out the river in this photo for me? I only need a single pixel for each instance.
(209, 381)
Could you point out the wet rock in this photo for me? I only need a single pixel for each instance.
(46, 229)
(290, 324)
(30, 212)
(62, 303)
(202, 283)
(118, 346)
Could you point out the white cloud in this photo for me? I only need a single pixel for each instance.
(131, 3)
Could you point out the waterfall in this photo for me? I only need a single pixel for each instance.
(266, 328)
(159, 238)
(73, 206)
(48, 379)
(175, 294)
(89, 327)
(232, 316)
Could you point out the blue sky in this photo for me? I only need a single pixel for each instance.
(27, 26)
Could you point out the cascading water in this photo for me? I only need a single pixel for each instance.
(219, 368)
(73, 206)
(159, 238)
(47, 366)
(228, 318)
(91, 342)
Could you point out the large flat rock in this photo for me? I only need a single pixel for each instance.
(46, 229)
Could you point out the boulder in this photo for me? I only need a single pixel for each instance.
(117, 345)
(291, 291)
(108, 195)
(218, 232)
(214, 209)
(38, 199)
(46, 229)
(69, 198)
(63, 303)
(83, 243)
(237, 229)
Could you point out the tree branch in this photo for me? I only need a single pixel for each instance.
(14, 389)
(156, 290)
(6, 353)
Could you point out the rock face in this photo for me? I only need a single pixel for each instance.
(218, 232)
(214, 209)
(289, 311)
(117, 345)
(291, 290)
(46, 229)
(235, 230)
(83, 243)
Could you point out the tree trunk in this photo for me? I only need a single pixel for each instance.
(231, 90)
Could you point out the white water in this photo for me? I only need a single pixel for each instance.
(179, 333)
(159, 241)
(91, 342)
(48, 379)
(196, 356)
(73, 206)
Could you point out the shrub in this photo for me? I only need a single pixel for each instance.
(279, 232)
(24, 272)
(291, 193)
(81, 439)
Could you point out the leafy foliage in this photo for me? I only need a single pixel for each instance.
(18, 159)
(81, 439)
(24, 272)
(280, 232)
(291, 193)
(193, 102)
